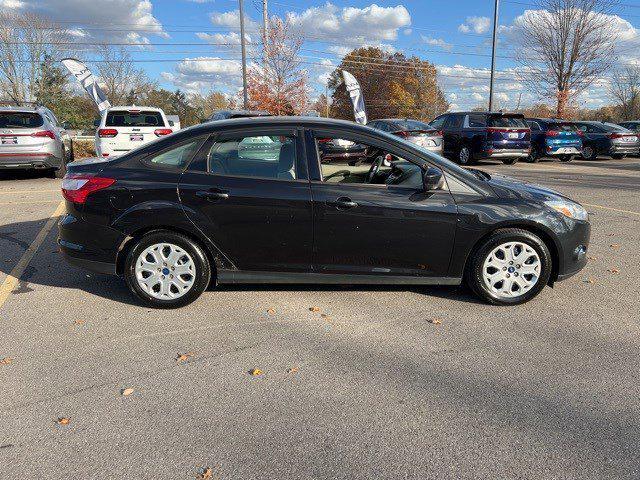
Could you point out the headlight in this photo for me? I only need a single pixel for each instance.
(569, 209)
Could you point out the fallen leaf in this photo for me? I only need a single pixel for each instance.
(435, 321)
(592, 258)
(254, 372)
(63, 421)
(126, 392)
(589, 280)
(205, 473)
(314, 309)
(610, 234)
(271, 311)
(183, 356)
(613, 270)
(6, 361)
(615, 245)
(78, 322)
(324, 315)
(292, 370)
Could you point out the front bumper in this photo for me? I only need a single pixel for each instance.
(575, 244)
(29, 161)
(87, 245)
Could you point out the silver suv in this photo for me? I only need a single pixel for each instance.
(32, 138)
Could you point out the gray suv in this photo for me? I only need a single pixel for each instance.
(32, 138)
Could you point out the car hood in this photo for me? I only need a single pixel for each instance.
(508, 187)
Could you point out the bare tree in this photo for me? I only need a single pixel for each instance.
(26, 42)
(565, 45)
(123, 82)
(625, 88)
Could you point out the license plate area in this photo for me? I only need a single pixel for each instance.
(9, 140)
(513, 135)
(136, 137)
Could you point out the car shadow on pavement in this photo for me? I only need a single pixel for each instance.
(49, 268)
(24, 174)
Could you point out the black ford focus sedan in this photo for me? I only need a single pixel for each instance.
(252, 201)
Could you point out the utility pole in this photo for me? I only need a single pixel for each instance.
(244, 56)
(265, 23)
(326, 97)
(493, 53)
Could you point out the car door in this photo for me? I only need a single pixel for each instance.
(454, 133)
(248, 191)
(366, 228)
(594, 136)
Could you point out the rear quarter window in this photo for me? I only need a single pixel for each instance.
(20, 120)
(124, 118)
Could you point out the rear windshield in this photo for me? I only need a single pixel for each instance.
(411, 125)
(124, 118)
(564, 127)
(20, 120)
(505, 121)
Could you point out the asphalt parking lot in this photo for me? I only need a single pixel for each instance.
(378, 383)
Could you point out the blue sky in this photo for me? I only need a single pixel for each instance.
(179, 41)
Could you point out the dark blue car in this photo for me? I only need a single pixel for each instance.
(553, 138)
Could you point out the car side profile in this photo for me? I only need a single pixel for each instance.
(32, 138)
(204, 207)
(553, 138)
(472, 136)
(607, 139)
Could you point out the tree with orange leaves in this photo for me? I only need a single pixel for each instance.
(279, 84)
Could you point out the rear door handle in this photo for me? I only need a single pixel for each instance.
(344, 203)
(212, 194)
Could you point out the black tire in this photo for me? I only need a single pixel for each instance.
(509, 161)
(534, 156)
(202, 268)
(589, 153)
(465, 156)
(473, 273)
(565, 158)
(618, 156)
(62, 169)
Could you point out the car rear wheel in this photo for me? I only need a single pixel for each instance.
(464, 156)
(510, 267)
(565, 158)
(167, 270)
(589, 153)
(534, 156)
(509, 161)
(618, 156)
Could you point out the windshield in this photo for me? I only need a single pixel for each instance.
(124, 118)
(412, 125)
(505, 121)
(20, 120)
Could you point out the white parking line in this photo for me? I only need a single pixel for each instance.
(12, 280)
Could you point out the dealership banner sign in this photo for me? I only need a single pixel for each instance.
(353, 87)
(88, 81)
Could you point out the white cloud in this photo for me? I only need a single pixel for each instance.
(477, 96)
(475, 25)
(205, 73)
(437, 42)
(351, 26)
(11, 4)
(231, 19)
(225, 41)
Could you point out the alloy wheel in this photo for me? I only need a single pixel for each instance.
(511, 269)
(165, 271)
(464, 155)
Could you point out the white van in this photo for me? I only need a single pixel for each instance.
(124, 128)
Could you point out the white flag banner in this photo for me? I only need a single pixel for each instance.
(353, 87)
(88, 81)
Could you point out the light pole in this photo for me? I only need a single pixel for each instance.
(244, 57)
(493, 54)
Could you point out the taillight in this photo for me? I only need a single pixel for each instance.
(552, 133)
(45, 133)
(162, 131)
(439, 133)
(324, 140)
(107, 132)
(580, 133)
(76, 188)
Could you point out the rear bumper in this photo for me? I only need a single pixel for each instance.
(553, 150)
(505, 153)
(29, 161)
(624, 149)
(87, 245)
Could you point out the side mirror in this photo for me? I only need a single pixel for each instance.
(96, 122)
(432, 179)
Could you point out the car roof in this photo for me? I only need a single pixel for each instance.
(277, 121)
(398, 120)
(134, 107)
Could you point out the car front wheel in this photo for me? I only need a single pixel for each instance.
(167, 270)
(510, 267)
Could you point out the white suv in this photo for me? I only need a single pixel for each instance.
(124, 128)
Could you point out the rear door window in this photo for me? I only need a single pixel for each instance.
(20, 120)
(505, 121)
(477, 120)
(260, 156)
(125, 118)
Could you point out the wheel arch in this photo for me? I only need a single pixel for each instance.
(537, 229)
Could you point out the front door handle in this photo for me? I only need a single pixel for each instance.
(212, 194)
(344, 203)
